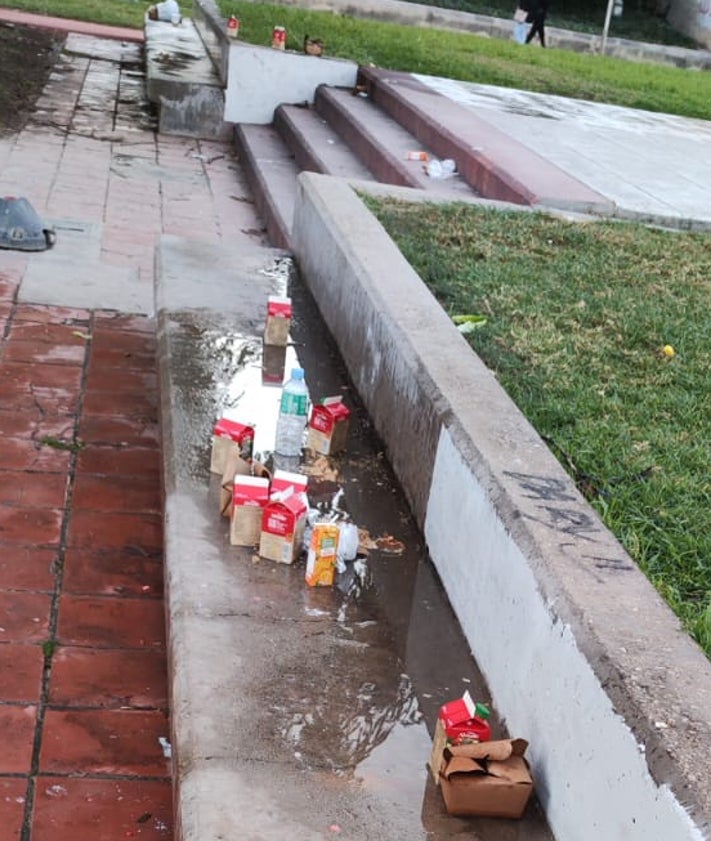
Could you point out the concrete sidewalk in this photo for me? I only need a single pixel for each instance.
(83, 700)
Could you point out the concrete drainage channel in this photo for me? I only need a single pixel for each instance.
(580, 655)
(297, 712)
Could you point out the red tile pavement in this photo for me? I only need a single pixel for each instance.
(110, 809)
(83, 690)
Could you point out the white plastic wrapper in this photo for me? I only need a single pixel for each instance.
(347, 541)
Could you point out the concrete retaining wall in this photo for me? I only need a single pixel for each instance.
(582, 656)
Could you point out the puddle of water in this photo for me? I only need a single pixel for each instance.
(381, 651)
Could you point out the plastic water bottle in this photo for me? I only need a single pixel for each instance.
(292, 415)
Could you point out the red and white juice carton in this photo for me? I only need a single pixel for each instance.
(321, 558)
(279, 38)
(328, 426)
(283, 526)
(276, 329)
(282, 480)
(250, 495)
(228, 436)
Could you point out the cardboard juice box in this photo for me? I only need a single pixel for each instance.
(283, 526)
(250, 494)
(328, 426)
(321, 559)
(284, 479)
(276, 330)
(230, 436)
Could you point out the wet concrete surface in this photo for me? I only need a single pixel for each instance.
(336, 689)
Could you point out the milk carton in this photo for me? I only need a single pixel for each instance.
(250, 495)
(283, 526)
(276, 330)
(328, 426)
(227, 436)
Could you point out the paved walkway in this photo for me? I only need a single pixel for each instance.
(83, 698)
(654, 167)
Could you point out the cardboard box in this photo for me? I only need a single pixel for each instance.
(283, 526)
(230, 436)
(321, 558)
(328, 426)
(276, 331)
(250, 495)
(488, 779)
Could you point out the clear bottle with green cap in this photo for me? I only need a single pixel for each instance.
(293, 410)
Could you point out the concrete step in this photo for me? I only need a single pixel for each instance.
(315, 145)
(494, 164)
(380, 142)
(182, 82)
(271, 173)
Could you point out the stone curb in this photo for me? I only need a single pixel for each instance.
(583, 657)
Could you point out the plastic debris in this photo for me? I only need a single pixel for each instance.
(165, 745)
(441, 169)
(469, 323)
(21, 228)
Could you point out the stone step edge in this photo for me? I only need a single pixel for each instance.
(496, 166)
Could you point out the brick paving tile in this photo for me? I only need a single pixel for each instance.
(100, 429)
(17, 733)
(111, 622)
(21, 672)
(116, 405)
(60, 378)
(49, 333)
(102, 810)
(112, 572)
(24, 350)
(12, 806)
(24, 617)
(47, 490)
(27, 568)
(40, 314)
(107, 493)
(19, 454)
(119, 742)
(35, 526)
(108, 529)
(108, 678)
(121, 461)
(51, 401)
(128, 379)
(33, 424)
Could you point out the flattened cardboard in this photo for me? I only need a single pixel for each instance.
(488, 779)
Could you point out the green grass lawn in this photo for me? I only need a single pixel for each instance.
(450, 54)
(577, 316)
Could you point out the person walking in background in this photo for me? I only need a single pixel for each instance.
(537, 11)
